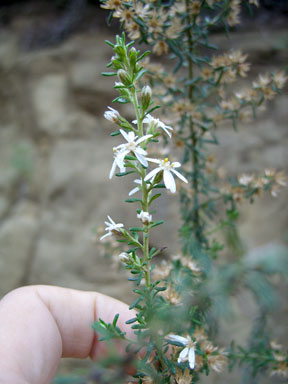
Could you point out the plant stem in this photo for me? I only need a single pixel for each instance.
(145, 192)
(193, 136)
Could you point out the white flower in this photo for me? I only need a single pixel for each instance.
(156, 123)
(118, 162)
(111, 228)
(132, 145)
(134, 190)
(145, 217)
(245, 179)
(168, 169)
(188, 353)
(112, 115)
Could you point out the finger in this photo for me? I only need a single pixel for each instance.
(41, 324)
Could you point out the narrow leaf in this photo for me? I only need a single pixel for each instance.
(155, 224)
(108, 73)
(124, 173)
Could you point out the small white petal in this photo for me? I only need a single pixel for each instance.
(113, 168)
(125, 135)
(141, 158)
(106, 235)
(134, 190)
(166, 130)
(191, 358)
(157, 161)
(169, 181)
(141, 151)
(111, 221)
(152, 173)
(131, 136)
(176, 164)
(183, 355)
(179, 175)
(179, 339)
(143, 138)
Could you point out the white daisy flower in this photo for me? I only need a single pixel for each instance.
(118, 162)
(156, 123)
(132, 145)
(112, 115)
(188, 353)
(111, 228)
(134, 190)
(168, 169)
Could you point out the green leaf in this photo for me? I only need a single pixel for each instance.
(136, 229)
(133, 200)
(109, 43)
(154, 197)
(115, 319)
(120, 174)
(160, 289)
(153, 109)
(116, 133)
(109, 74)
(143, 55)
(135, 303)
(121, 100)
(131, 321)
(140, 74)
(130, 158)
(156, 223)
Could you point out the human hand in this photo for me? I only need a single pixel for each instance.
(41, 324)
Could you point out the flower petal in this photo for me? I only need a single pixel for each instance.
(157, 161)
(179, 175)
(111, 221)
(143, 138)
(106, 235)
(113, 168)
(169, 181)
(125, 135)
(141, 158)
(152, 173)
(166, 130)
(134, 190)
(183, 355)
(178, 339)
(191, 358)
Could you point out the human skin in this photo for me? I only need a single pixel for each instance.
(40, 324)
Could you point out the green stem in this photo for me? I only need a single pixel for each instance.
(145, 191)
(137, 112)
(146, 233)
(193, 137)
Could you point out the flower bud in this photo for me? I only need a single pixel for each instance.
(145, 217)
(124, 258)
(120, 51)
(132, 56)
(146, 95)
(124, 77)
(112, 115)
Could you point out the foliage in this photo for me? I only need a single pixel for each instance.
(180, 302)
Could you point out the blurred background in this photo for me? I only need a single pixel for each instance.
(56, 152)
